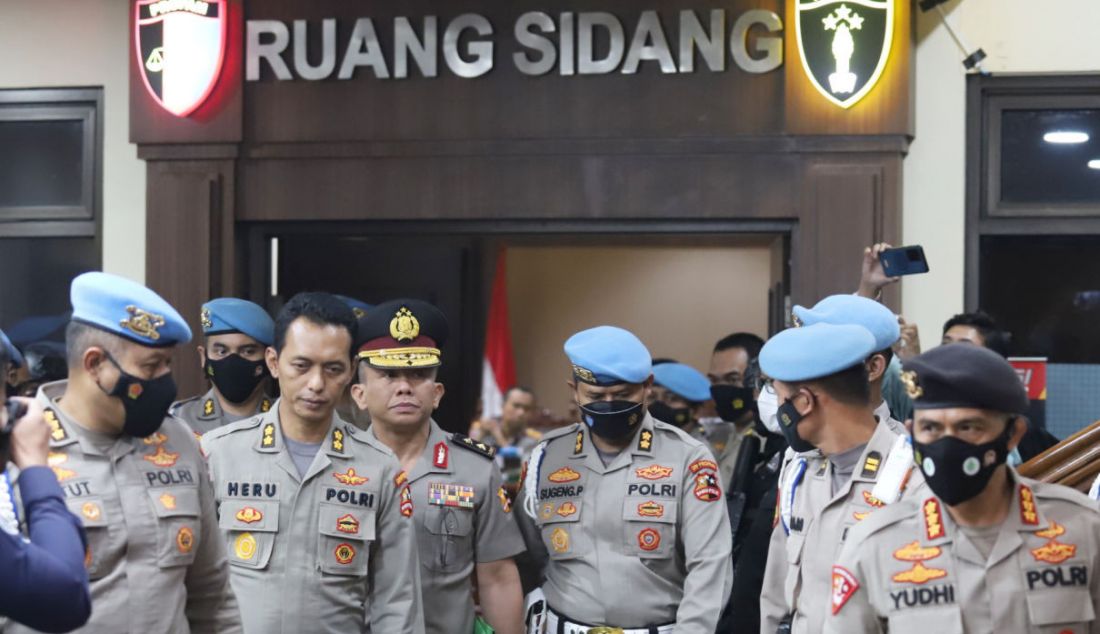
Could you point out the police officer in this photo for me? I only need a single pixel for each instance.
(235, 334)
(315, 514)
(819, 377)
(345, 407)
(43, 583)
(987, 550)
(877, 319)
(685, 389)
(463, 518)
(624, 513)
(131, 472)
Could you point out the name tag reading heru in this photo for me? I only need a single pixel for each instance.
(457, 495)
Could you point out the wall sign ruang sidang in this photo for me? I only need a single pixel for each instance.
(844, 45)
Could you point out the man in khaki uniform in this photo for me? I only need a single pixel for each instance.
(987, 550)
(315, 514)
(624, 513)
(463, 517)
(820, 380)
(236, 333)
(133, 475)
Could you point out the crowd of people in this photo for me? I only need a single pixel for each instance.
(833, 478)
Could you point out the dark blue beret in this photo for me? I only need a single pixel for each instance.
(964, 375)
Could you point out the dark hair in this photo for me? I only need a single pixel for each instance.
(995, 339)
(747, 341)
(80, 336)
(850, 386)
(45, 361)
(517, 388)
(322, 309)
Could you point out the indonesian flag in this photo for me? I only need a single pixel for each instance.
(499, 367)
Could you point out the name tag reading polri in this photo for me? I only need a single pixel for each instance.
(456, 495)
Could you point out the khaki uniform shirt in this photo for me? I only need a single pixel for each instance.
(205, 412)
(644, 541)
(911, 569)
(319, 553)
(798, 576)
(154, 559)
(462, 518)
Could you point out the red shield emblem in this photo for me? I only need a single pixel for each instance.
(180, 47)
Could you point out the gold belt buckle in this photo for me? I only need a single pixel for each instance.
(604, 629)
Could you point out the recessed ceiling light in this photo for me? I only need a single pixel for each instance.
(1094, 164)
(1066, 136)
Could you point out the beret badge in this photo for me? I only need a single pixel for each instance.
(404, 327)
(142, 323)
(204, 317)
(909, 379)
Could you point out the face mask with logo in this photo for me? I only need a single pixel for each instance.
(235, 377)
(789, 417)
(146, 401)
(731, 401)
(956, 470)
(767, 405)
(612, 420)
(679, 416)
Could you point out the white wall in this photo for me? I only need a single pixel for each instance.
(1018, 36)
(46, 43)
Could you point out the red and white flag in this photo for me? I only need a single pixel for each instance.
(499, 367)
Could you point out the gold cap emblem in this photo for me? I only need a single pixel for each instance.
(142, 323)
(204, 317)
(584, 374)
(909, 379)
(404, 326)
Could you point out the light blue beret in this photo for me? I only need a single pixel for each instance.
(127, 309)
(13, 353)
(854, 310)
(360, 308)
(229, 314)
(683, 381)
(606, 355)
(812, 352)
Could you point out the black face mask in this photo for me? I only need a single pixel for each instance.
(731, 401)
(956, 470)
(789, 417)
(678, 416)
(235, 377)
(612, 420)
(146, 401)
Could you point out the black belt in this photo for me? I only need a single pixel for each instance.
(563, 618)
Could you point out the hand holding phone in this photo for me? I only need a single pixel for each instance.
(903, 261)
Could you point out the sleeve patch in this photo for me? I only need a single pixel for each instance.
(845, 585)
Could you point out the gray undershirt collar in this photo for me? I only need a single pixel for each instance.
(302, 453)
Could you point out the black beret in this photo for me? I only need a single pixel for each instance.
(964, 375)
(402, 333)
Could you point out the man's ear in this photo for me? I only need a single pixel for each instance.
(909, 426)
(202, 356)
(876, 367)
(437, 395)
(1019, 428)
(272, 359)
(359, 395)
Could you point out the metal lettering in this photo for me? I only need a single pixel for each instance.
(271, 52)
(527, 38)
(649, 44)
(586, 25)
(423, 50)
(328, 50)
(711, 47)
(771, 46)
(480, 50)
(363, 50)
(568, 46)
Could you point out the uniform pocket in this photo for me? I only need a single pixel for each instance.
(97, 557)
(448, 534)
(177, 511)
(649, 527)
(927, 620)
(1061, 611)
(250, 528)
(559, 523)
(346, 534)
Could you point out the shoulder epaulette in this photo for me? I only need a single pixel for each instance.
(473, 445)
(241, 425)
(1047, 492)
(558, 432)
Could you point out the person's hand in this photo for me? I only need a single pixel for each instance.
(872, 277)
(30, 437)
(908, 345)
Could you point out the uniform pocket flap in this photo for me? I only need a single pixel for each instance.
(90, 511)
(647, 510)
(449, 521)
(175, 501)
(1050, 608)
(250, 550)
(924, 620)
(558, 511)
(260, 516)
(345, 522)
